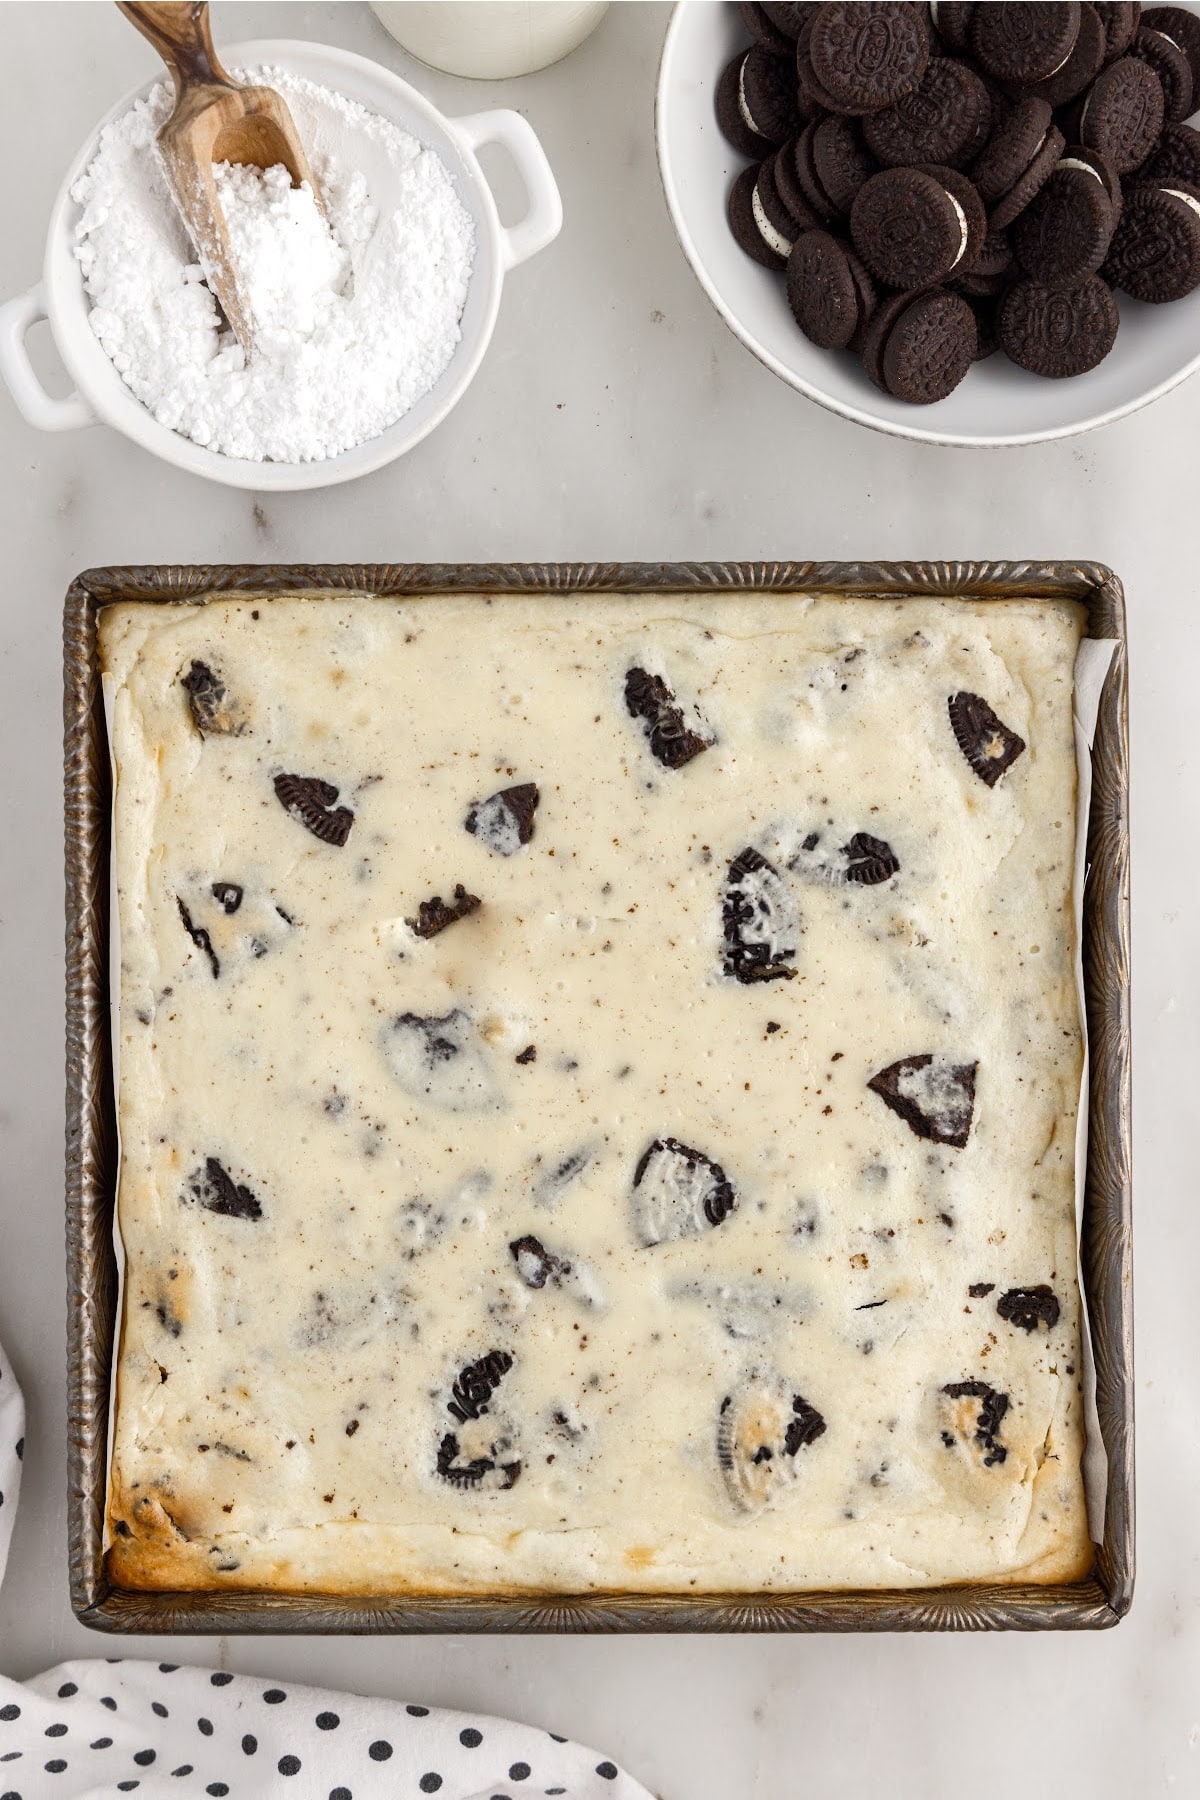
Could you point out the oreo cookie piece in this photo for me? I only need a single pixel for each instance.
(673, 742)
(864, 861)
(945, 120)
(984, 739)
(440, 1059)
(1123, 114)
(1058, 331)
(504, 821)
(483, 1470)
(910, 229)
(759, 921)
(981, 1424)
(435, 915)
(214, 1188)
(535, 1264)
(1021, 42)
(919, 349)
(213, 712)
(1065, 233)
(474, 1385)
(1164, 57)
(952, 22)
(868, 55)
(1155, 253)
(839, 161)
(678, 1192)
(730, 118)
(1030, 1307)
(199, 937)
(934, 1095)
(1081, 67)
(1182, 28)
(1120, 22)
(829, 291)
(313, 803)
(761, 1429)
(763, 30)
(228, 896)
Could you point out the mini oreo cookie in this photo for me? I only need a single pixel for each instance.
(1167, 60)
(1065, 233)
(1081, 67)
(1058, 331)
(868, 53)
(1018, 132)
(1183, 29)
(777, 224)
(1030, 182)
(763, 29)
(911, 229)
(984, 739)
(829, 290)
(743, 220)
(946, 119)
(1120, 21)
(929, 348)
(952, 22)
(1023, 43)
(818, 201)
(1123, 115)
(767, 95)
(840, 161)
(1177, 158)
(730, 118)
(1155, 253)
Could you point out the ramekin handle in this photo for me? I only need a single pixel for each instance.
(543, 216)
(16, 370)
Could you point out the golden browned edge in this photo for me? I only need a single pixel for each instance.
(1092, 1602)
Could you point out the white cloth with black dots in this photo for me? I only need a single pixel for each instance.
(120, 1726)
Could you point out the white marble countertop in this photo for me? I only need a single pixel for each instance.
(615, 417)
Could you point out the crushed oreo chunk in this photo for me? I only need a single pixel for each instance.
(213, 713)
(527, 1055)
(551, 1184)
(476, 1383)
(535, 1264)
(933, 1095)
(1029, 1307)
(228, 896)
(869, 860)
(762, 1427)
(504, 821)
(313, 803)
(472, 1472)
(984, 739)
(992, 1408)
(441, 1060)
(672, 741)
(678, 1192)
(214, 1188)
(199, 937)
(434, 915)
(759, 921)
(978, 1290)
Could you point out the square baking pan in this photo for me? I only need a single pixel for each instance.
(91, 1144)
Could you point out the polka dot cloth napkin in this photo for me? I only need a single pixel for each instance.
(119, 1726)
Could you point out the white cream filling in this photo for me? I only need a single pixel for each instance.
(963, 233)
(1166, 39)
(774, 240)
(1188, 199)
(1073, 162)
(747, 115)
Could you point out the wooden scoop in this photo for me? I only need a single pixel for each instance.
(216, 119)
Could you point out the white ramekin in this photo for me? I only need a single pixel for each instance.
(101, 397)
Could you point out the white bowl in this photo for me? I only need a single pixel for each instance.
(998, 403)
(102, 396)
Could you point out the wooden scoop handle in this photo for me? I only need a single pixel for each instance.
(179, 31)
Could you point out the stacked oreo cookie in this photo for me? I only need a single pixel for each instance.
(941, 181)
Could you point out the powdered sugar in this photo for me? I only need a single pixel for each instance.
(354, 320)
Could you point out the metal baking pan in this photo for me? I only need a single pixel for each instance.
(1100, 1600)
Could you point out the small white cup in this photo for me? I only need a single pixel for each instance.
(490, 39)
